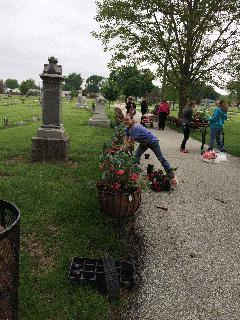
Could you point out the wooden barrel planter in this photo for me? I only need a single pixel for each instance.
(119, 205)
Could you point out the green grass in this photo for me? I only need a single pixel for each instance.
(231, 130)
(60, 218)
(16, 111)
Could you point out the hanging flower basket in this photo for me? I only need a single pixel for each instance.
(119, 205)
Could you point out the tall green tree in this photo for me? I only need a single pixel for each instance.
(11, 83)
(110, 90)
(202, 35)
(94, 83)
(26, 85)
(233, 69)
(133, 81)
(72, 82)
(2, 86)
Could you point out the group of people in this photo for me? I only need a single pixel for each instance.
(216, 123)
(147, 140)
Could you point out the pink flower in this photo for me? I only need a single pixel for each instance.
(134, 177)
(116, 186)
(120, 172)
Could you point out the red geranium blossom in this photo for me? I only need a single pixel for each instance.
(116, 186)
(120, 172)
(134, 177)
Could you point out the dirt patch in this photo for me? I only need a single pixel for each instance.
(53, 230)
(72, 164)
(15, 159)
(5, 174)
(43, 260)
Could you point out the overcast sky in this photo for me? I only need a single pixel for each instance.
(33, 30)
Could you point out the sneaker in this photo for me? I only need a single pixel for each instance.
(184, 150)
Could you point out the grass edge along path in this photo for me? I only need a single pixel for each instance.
(60, 218)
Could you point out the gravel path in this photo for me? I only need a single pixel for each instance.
(191, 260)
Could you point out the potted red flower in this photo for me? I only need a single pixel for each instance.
(120, 186)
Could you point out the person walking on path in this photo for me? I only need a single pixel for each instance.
(216, 125)
(131, 106)
(187, 114)
(144, 106)
(163, 112)
(146, 139)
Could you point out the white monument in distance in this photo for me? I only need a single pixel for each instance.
(100, 118)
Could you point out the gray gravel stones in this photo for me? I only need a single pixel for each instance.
(191, 262)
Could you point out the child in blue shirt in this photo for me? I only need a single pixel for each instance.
(216, 125)
(146, 139)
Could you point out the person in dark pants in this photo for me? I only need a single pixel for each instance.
(130, 105)
(163, 112)
(145, 138)
(144, 106)
(187, 114)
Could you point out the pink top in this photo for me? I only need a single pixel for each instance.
(164, 107)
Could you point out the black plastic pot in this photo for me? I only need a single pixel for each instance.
(150, 169)
(9, 260)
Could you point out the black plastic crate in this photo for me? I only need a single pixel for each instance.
(91, 271)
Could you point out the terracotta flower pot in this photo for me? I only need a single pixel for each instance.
(119, 205)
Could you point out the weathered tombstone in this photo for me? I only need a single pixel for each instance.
(81, 101)
(51, 142)
(100, 118)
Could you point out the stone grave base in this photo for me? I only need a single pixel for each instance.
(50, 149)
(105, 123)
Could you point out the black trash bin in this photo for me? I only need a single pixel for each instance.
(9, 260)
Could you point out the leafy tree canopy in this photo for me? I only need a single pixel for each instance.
(2, 86)
(72, 82)
(132, 81)
(26, 85)
(94, 83)
(11, 83)
(196, 36)
(234, 72)
(110, 90)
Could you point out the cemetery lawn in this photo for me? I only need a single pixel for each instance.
(231, 130)
(15, 110)
(60, 217)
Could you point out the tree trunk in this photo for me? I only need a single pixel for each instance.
(183, 97)
(164, 79)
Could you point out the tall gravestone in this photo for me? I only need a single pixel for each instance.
(99, 118)
(51, 142)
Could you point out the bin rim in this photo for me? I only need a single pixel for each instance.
(9, 205)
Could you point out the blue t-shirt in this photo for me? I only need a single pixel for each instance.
(140, 134)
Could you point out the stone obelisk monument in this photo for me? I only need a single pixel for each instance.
(51, 143)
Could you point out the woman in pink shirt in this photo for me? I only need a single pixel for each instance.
(163, 112)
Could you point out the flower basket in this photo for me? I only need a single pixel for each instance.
(159, 181)
(119, 205)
